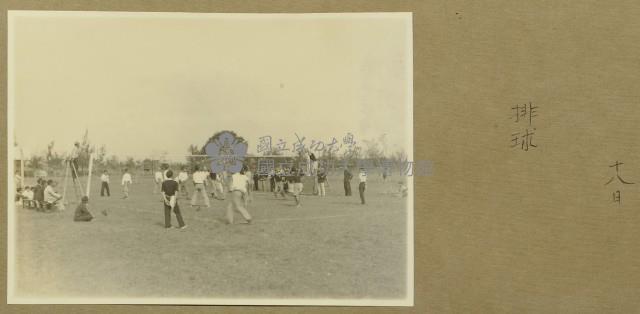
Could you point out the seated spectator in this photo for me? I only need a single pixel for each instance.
(403, 191)
(51, 197)
(82, 211)
(27, 198)
(18, 196)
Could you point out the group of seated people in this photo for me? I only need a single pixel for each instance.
(42, 196)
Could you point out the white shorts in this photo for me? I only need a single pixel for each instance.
(296, 188)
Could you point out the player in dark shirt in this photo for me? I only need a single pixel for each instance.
(322, 181)
(279, 178)
(38, 195)
(347, 182)
(169, 189)
(256, 178)
(295, 181)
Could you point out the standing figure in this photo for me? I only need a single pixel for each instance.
(169, 192)
(307, 160)
(38, 194)
(314, 173)
(238, 189)
(256, 178)
(218, 189)
(73, 161)
(17, 180)
(249, 196)
(314, 164)
(385, 174)
(295, 182)
(347, 182)
(272, 181)
(165, 169)
(199, 180)
(183, 176)
(363, 184)
(104, 178)
(279, 179)
(322, 179)
(126, 183)
(224, 179)
(157, 178)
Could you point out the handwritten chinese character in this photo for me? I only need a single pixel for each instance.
(264, 145)
(317, 146)
(617, 166)
(525, 111)
(281, 146)
(299, 146)
(332, 148)
(525, 140)
(616, 197)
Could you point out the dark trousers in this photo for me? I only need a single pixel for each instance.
(361, 190)
(347, 188)
(183, 188)
(167, 215)
(105, 187)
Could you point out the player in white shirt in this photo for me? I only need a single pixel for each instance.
(199, 180)
(238, 187)
(126, 182)
(73, 161)
(249, 195)
(27, 194)
(307, 159)
(51, 197)
(27, 197)
(363, 183)
(158, 178)
(17, 180)
(182, 178)
(104, 178)
(217, 183)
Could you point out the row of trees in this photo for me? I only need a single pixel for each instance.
(51, 160)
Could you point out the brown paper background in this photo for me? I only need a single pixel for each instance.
(498, 230)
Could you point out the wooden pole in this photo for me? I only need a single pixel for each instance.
(66, 178)
(89, 176)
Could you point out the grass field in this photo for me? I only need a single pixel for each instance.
(332, 247)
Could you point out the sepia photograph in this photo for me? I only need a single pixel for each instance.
(210, 158)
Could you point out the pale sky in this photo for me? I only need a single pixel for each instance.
(150, 83)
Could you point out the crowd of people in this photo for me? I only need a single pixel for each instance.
(236, 188)
(42, 196)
